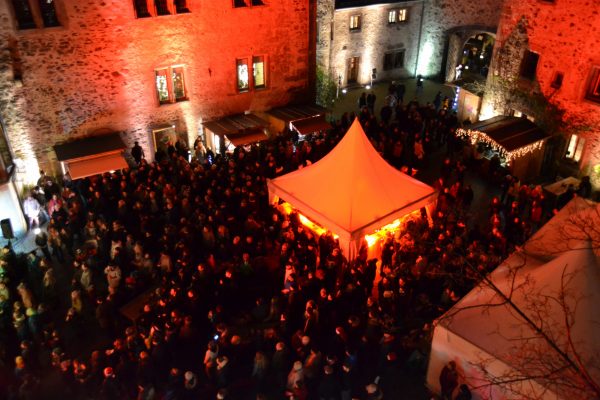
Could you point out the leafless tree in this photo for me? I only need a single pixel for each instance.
(550, 353)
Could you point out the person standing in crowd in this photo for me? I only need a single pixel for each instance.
(419, 85)
(137, 152)
(448, 380)
(32, 208)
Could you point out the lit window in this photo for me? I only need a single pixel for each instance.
(392, 16)
(243, 77)
(593, 88)
(178, 84)
(575, 148)
(402, 13)
(355, 22)
(529, 65)
(258, 72)
(24, 13)
(398, 15)
(170, 85)
(393, 60)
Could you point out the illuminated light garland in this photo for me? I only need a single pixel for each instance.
(478, 136)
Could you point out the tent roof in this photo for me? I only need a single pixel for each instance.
(483, 319)
(352, 191)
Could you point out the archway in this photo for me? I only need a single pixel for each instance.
(471, 48)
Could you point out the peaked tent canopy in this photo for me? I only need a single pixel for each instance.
(352, 191)
(481, 326)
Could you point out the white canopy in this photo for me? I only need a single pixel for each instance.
(481, 326)
(352, 191)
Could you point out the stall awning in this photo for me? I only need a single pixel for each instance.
(92, 156)
(293, 113)
(310, 125)
(511, 136)
(255, 136)
(96, 165)
(235, 124)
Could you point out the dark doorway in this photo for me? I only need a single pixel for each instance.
(353, 69)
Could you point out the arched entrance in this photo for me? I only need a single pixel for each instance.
(469, 52)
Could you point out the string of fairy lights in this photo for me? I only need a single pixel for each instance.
(480, 137)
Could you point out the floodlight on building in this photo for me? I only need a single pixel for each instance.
(368, 87)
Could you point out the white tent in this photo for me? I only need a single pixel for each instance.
(352, 191)
(482, 330)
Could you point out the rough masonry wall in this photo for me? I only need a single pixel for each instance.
(566, 35)
(96, 71)
(325, 11)
(375, 38)
(444, 15)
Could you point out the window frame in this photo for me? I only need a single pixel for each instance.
(168, 73)
(592, 88)
(248, 3)
(151, 8)
(250, 61)
(394, 55)
(37, 16)
(578, 148)
(400, 16)
(358, 19)
(524, 71)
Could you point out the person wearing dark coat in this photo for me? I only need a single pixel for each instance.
(329, 387)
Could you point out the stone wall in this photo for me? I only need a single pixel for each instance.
(375, 38)
(566, 35)
(442, 16)
(96, 71)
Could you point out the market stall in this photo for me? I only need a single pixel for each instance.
(225, 134)
(352, 192)
(92, 155)
(515, 143)
(301, 119)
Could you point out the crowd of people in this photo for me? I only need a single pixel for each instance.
(236, 298)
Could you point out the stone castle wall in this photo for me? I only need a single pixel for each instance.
(566, 35)
(442, 16)
(96, 71)
(375, 38)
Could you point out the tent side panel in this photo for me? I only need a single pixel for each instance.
(447, 346)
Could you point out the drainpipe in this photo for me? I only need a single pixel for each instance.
(419, 41)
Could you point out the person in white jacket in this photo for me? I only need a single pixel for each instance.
(32, 208)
